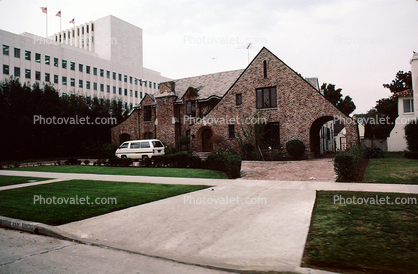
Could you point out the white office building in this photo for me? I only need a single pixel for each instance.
(100, 58)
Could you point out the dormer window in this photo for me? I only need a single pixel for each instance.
(191, 108)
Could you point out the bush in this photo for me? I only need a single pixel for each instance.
(215, 162)
(374, 152)
(106, 151)
(411, 135)
(296, 148)
(344, 166)
(277, 154)
(122, 162)
(411, 154)
(248, 151)
(86, 162)
(233, 166)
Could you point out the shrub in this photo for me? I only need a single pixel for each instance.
(411, 135)
(122, 162)
(248, 151)
(277, 154)
(214, 161)
(374, 152)
(86, 162)
(344, 166)
(106, 151)
(296, 148)
(411, 154)
(233, 166)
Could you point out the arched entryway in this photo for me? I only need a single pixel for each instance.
(206, 136)
(321, 136)
(124, 137)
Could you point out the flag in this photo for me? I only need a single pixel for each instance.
(44, 10)
(72, 21)
(58, 14)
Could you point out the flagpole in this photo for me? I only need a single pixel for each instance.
(60, 21)
(46, 14)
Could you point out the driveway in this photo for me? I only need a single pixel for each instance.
(308, 170)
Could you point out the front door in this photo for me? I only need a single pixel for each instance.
(207, 145)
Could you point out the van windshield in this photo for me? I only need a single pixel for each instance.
(157, 144)
(124, 145)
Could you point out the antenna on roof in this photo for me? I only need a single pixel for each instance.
(247, 47)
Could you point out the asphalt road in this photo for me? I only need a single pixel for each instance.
(22, 252)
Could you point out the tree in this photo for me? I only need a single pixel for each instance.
(335, 96)
(402, 82)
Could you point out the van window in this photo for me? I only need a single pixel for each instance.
(145, 145)
(124, 145)
(157, 144)
(135, 145)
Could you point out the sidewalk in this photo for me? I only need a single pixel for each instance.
(236, 224)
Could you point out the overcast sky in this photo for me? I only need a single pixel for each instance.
(356, 45)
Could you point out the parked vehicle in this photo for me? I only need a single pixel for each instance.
(140, 149)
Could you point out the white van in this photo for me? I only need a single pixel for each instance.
(140, 149)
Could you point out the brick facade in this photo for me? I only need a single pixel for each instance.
(299, 109)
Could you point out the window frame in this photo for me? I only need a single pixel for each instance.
(6, 50)
(266, 92)
(191, 108)
(147, 113)
(410, 103)
(238, 99)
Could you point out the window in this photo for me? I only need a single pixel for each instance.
(72, 65)
(120, 77)
(108, 89)
(17, 72)
(125, 92)
(108, 74)
(38, 75)
(231, 131)
(101, 73)
(80, 83)
(156, 143)
(55, 79)
(124, 145)
(271, 136)
(114, 76)
(154, 86)
(94, 71)
(72, 82)
(130, 92)
(238, 99)
(27, 73)
(125, 78)
(148, 135)
(101, 87)
(130, 79)
(150, 84)
(114, 90)
(37, 57)
(266, 97)
(94, 86)
(17, 53)
(136, 81)
(6, 69)
(5, 50)
(145, 145)
(55, 62)
(88, 69)
(136, 94)
(120, 91)
(47, 60)
(135, 145)
(80, 67)
(87, 84)
(47, 77)
(265, 69)
(140, 94)
(191, 108)
(27, 55)
(64, 80)
(140, 82)
(147, 113)
(64, 64)
(408, 105)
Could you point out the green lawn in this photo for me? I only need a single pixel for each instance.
(363, 238)
(139, 171)
(25, 203)
(14, 180)
(393, 169)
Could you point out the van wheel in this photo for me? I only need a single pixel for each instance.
(144, 157)
(123, 156)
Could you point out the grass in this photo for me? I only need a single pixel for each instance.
(24, 203)
(138, 171)
(363, 238)
(14, 180)
(393, 169)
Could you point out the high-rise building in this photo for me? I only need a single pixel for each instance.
(102, 58)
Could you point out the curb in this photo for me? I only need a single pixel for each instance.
(35, 228)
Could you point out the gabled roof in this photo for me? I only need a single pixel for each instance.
(407, 92)
(215, 84)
